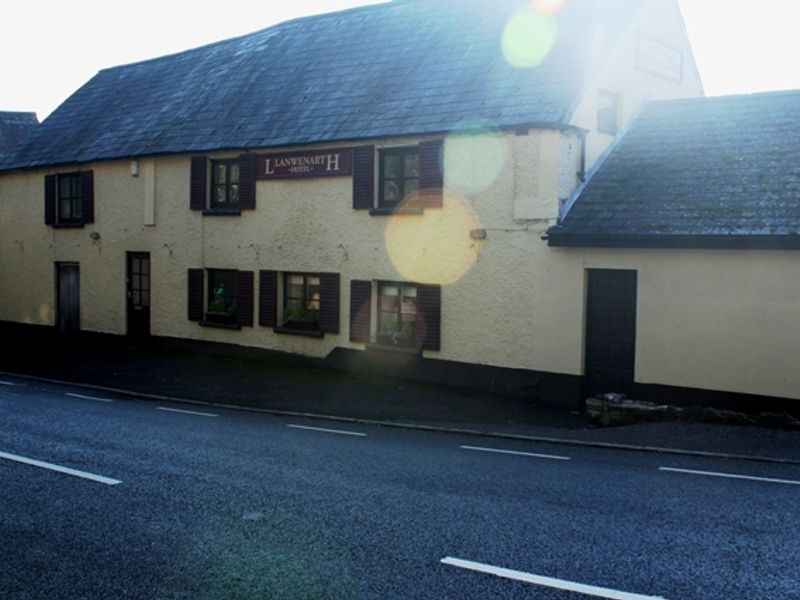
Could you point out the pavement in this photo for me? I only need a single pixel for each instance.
(290, 385)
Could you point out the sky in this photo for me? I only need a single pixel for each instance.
(49, 48)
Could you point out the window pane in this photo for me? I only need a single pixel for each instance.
(65, 209)
(391, 165)
(389, 323)
(136, 298)
(234, 173)
(219, 174)
(234, 198)
(391, 192)
(219, 195)
(410, 291)
(412, 165)
(313, 293)
(412, 187)
(145, 298)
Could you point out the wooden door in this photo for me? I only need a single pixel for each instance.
(68, 312)
(138, 292)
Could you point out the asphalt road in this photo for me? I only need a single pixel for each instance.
(172, 501)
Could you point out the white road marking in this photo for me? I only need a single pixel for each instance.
(82, 397)
(187, 412)
(60, 469)
(515, 453)
(730, 476)
(8, 383)
(340, 432)
(559, 584)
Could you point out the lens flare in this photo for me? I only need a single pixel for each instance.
(548, 7)
(469, 168)
(528, 38)
(434, 247)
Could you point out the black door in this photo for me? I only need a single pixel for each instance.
(610, 331)
(138, 283)
(68, 312)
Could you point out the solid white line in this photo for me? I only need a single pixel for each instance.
(340, 432)
(730, 476)
(187, 412)
(59, 469)
(8, 383)
(82, 397)
(515, 453)
(558, 584)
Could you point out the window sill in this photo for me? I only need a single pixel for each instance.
(393, 349)
(234, 326)
(301, 332)
(405, 210)
(68, 225)
(222, 212)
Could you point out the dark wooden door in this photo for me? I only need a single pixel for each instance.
(68, 312)
(610, 331)
(138, 284)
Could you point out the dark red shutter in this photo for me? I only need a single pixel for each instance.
(244, 298)
(431, 179)
(429, 316)
(360, 310)
(247, 181)
(197, 186)
(329, 302)
(87, 196)
(268, 298)
(195, 294)
(364, 177)
(49, 199)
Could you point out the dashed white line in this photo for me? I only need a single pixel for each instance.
(187, 412)
(730, 476)
(515, 453)
(60, 469)
(8, 383)
(93, 398)
(559, 584)
(322, 429)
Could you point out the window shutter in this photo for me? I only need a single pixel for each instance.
(247, 181)
(431, 179)
(364, 177)
(87, 196)
(429, 319)
(244, 298)
(268, 298)
(49, 199)
(195, 294)
(360, 310)
(329, 302)
(197, 186)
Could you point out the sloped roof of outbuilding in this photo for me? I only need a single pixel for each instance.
(14, 126)
(400, 68)
(703, 172)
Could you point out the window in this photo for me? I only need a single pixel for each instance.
(409, 179)
(607, 112)
(397, 314)
(301, 301)
(399, 175)
(69, 198)
(229, 189)
(224, 184)
(221, 296)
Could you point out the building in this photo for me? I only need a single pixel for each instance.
(371, 187)
(686, 237)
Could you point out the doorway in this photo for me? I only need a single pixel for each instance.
(138, 294)
(68, 313)
(610, 331)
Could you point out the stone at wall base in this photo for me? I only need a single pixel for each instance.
(612, 410)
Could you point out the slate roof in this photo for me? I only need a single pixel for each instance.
(702, 172)
(401, 68)
(14, 126)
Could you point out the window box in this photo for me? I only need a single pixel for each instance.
(312, 333)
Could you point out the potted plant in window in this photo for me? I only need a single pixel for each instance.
(302, 319)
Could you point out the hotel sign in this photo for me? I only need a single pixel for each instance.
(311, 163)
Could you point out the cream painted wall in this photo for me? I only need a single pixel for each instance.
(659, 20)
(717, 320)
(305, 225)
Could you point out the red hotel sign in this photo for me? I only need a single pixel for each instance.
(312, 163)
